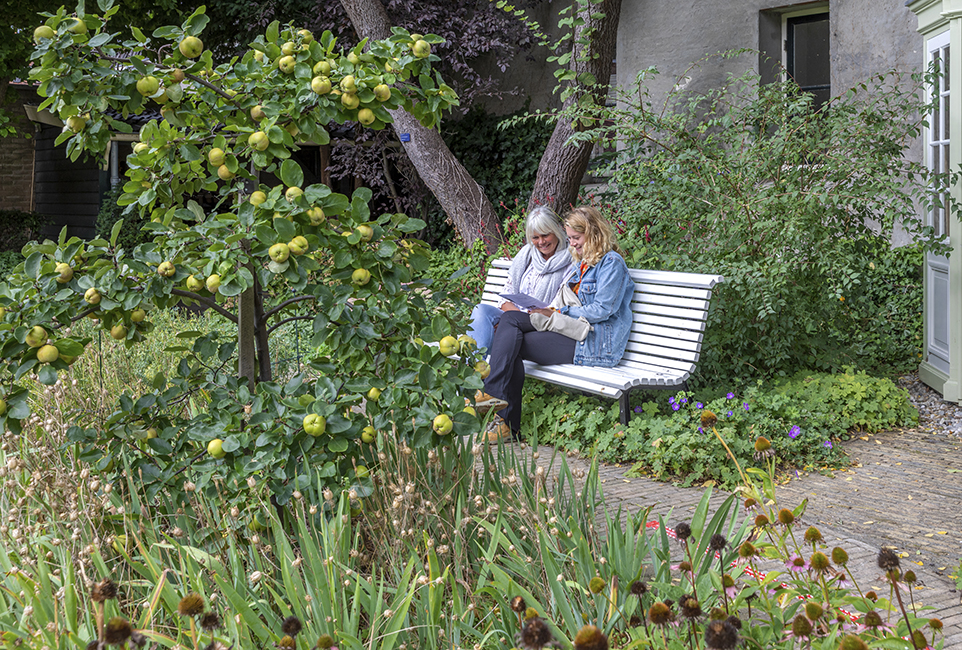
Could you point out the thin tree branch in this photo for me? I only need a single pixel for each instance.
(288, 320)
(207, 301)
(283, 305)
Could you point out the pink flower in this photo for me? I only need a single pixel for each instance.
(797, 564)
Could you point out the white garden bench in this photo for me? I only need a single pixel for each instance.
(670, 310)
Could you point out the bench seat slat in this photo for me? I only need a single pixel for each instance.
(661, 362)
(673, 312)
(676, 278)
(578, 383)
(691, 344)
(615, 377)
(668, 290)
(673, 323)
(641, 299)
(690, 356)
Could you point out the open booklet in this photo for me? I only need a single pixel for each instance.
(524, 301)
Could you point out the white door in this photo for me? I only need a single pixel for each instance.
(936, 351)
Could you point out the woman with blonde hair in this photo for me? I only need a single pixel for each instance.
(601, 282)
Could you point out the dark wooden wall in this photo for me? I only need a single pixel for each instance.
(68, 192)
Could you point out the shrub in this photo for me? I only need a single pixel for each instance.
(18, 227)
(751, 182)
(132, 232)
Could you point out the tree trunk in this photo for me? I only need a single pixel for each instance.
(562, 167)
(464, 201)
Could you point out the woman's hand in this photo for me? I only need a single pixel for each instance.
(509, 306)
(543, 312)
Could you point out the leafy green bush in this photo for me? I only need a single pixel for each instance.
(803, 417)
(132, 232)
(749, 181)
(18, 227)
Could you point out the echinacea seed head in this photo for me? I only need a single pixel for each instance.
(106, 589)
(708, 419)
(727, 581)
(761, 521)
(530, 613)
(735, 622)
(813, 611)
(839, 556)
(325, 641)
(660, 614)
(287, 642)
(910, 577)
(801, 627)
(747, 550)
(518, 605)
(750, 503)
(590, 638)
(872, 619)
(596, 585)
(786, 517)
(888, 559)
(936, 624)
(717, 542)
(684, 567)
(535, 634)
(852, 642)
(191, 605)
(638, 588)
(717, 614)
(210, 621)
(95, 645)
(813, 535)
(683, 531)
(118, 630)
(720, 635)
(689, 606)
(291, 626)
(871, 595)
(763, 448)
(819, 562)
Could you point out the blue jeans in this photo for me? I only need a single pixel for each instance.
(483, 319)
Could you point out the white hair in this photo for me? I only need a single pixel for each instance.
(543, 220)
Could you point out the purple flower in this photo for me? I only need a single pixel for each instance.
(675, 407)
(671, 400)
(827, 444)
(700, 430)
(730, 396)
(745, 404)
(793, 432)
(637, 409)
(729, 414)
(684, 400)
(796, 563)
(699, 405)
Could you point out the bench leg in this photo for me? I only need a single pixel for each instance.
(624, 408)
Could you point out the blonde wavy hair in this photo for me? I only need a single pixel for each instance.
(599, 237)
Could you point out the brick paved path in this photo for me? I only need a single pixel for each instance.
(904, 491)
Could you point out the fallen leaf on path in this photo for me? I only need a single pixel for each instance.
(866, 523)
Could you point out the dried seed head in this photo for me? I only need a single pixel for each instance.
(819, 562)
(518, 605)
(325, 641)
(747, 550)
(535, 634)
(813, 611)
(720, 635)
(786, 517)
(727, 581)
(717, 542)
(839, 556)
(638, 588)
(761, 521)
(852, 642)
(118, 630)
(590, 638)
(735, 622)
(596, 585)
(801, 627)
(871, 595)
(936, 624)
(683, 531)
(95, 645)
(708, 419)
(717, 614)
(689, 607)
(660, 614)
(137, 640)
(872, 620)
(287, 642)
(191, 605)
(763, 448)
(106, 589)
(750, 504)
(813, 535)
(910, 577)
(210, 621)
(684, 567)
(291, 626)
(888, 560)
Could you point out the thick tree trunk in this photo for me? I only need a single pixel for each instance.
(464, 201)
(563, 166)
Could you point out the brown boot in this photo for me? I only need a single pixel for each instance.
(498, 431)
(484, 403)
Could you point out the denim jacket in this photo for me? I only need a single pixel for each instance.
(605, 295)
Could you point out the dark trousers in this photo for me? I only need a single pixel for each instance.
(517, 340)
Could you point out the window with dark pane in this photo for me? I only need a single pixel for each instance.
(808, 61)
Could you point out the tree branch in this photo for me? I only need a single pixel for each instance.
(288, 320)
(207, 301)
(281, 306)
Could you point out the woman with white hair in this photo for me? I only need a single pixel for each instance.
(537, 270)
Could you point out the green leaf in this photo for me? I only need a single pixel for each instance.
(47, 375)
(286, 230)
(69, 347)
(115, 232)
(31, 267)
(291, 173)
